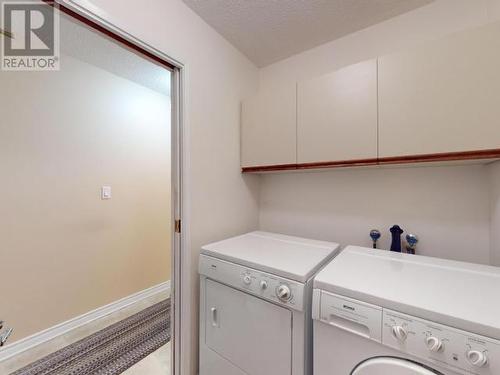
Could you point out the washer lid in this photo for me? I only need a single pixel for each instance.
(392, 366)
(457, 294)
(289, 257)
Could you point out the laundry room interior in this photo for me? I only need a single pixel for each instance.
(250, 187)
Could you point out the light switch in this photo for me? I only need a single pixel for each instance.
(105, 192)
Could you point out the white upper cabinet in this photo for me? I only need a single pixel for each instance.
(337, 115)
(269, 127)
(443, 96)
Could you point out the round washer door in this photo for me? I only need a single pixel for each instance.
(392, 366)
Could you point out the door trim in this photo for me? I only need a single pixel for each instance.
(181, 260)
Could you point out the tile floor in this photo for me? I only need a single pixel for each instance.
(157, 363)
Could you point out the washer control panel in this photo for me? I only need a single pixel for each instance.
(353, 316)
(262, 284)
(448, 347)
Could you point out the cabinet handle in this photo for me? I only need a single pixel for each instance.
(213, 311)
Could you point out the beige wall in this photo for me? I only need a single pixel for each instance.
(63, 250)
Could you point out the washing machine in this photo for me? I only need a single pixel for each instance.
(255, 304)
(383, 313)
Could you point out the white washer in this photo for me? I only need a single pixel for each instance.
(378, 312)
(255, 304)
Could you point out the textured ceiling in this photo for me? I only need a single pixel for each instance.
(89, 46)
(267, 31)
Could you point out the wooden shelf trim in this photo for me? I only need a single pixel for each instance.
(408, 159)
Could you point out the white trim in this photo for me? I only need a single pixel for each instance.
(186, 334)
(69, 325)
(180, 363)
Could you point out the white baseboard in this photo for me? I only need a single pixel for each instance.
(32, 341)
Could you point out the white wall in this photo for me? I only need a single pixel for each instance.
(223, 202)
(447, 207)
(494, 172)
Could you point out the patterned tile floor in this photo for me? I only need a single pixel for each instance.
(157, 363)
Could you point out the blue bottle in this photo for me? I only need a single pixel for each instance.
(375, 235)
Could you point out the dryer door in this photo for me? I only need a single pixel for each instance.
(252, 334)
(392, 366)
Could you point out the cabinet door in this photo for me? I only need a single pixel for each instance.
(337, 115)
(443, 96)
(269, 127)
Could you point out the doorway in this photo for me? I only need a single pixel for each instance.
(93, 194)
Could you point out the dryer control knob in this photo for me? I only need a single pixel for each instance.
(284, 293)
(434, 344)
(247, 279)
(477, 358)
(399, 333)
(263, 285)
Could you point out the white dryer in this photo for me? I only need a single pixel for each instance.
(255, 304)
(383, 313)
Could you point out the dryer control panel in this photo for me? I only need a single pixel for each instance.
(460, 351)
(261, 284)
